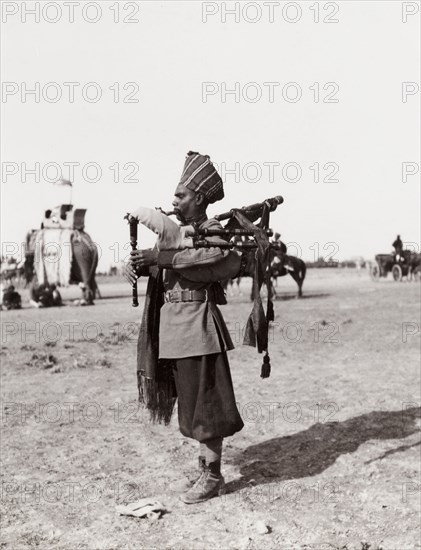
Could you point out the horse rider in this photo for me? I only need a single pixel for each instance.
(277, 239)
(192, 337)
(278, 263)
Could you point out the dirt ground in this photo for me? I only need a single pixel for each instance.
(328, 458)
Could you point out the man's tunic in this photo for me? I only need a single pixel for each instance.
(195, 328)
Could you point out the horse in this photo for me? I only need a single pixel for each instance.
(282, 264)
(414, 270)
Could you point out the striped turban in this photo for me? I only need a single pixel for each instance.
(199, 175)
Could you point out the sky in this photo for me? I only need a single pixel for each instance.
(330, 134)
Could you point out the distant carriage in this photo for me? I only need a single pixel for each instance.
(406, 266)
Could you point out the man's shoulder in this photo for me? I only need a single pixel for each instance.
(211, 223)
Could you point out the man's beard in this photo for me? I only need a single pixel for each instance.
(180, 217)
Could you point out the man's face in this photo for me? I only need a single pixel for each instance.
(186, 203)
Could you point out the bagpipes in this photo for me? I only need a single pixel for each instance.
(238, 219)
(241, 223)
(133, 225)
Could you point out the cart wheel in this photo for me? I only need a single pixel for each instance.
(397, 272)
(375, 271)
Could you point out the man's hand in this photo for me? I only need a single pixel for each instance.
(130, 273)
(139, 259)
(144, 258)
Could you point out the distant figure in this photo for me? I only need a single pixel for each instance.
(398, 246)
(11, 299)
(45, 295)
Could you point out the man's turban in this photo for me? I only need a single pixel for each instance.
(199, 175)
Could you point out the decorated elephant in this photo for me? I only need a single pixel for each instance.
(62, 257)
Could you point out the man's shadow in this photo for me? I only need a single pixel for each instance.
(293, 296)
(310, 452)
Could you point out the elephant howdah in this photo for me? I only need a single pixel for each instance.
(63, 257)
(53, 259)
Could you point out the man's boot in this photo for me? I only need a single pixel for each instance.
(183, 485)
(210, 484)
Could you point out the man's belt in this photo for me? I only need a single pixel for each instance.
(186, 296)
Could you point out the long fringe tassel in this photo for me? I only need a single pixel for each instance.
(158, 397)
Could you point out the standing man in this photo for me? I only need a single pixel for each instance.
(398, 246)
(193, 336)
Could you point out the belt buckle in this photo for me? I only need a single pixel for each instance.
(183, 293)
(206, 295)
